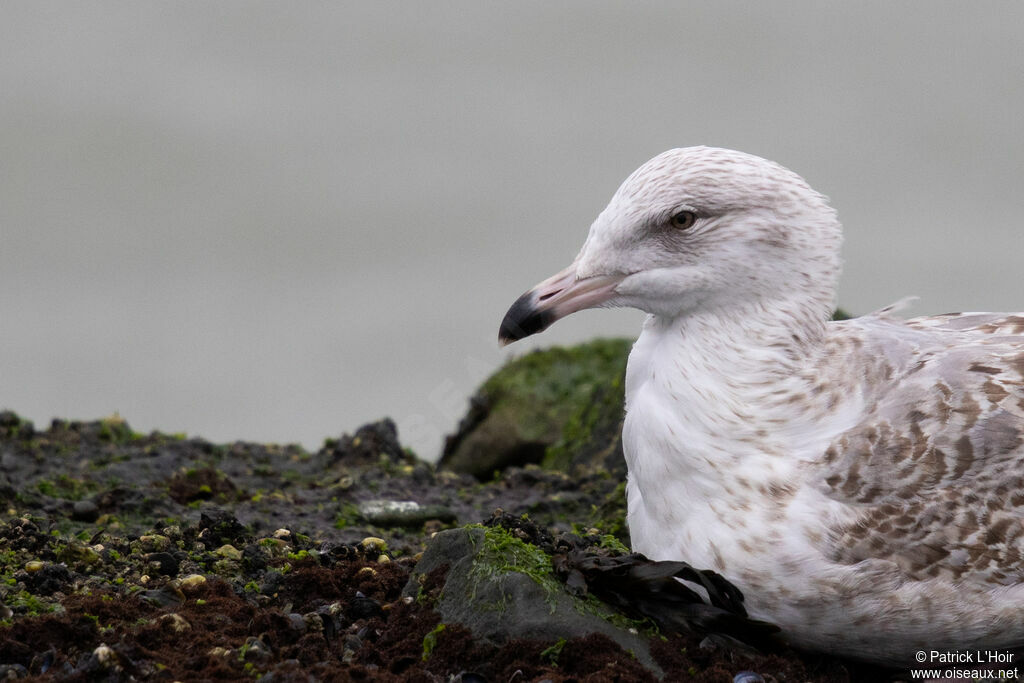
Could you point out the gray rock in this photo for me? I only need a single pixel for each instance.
(405, 513)
(498, 603)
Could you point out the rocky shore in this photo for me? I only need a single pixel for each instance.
(128, 556)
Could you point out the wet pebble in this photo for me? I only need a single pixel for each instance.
(365, 608)
(372, 543)
(748, 677)
(254, 559)
(271, 582)
(297, 622)
(166, 563)
(229, 552)
(406, 513)
(163, 597)
(85, 511)
(191, 581)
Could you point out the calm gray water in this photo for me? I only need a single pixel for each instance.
(274, 221)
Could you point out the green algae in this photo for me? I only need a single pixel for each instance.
(430, 641)
(501, 553)
(551, 392)
(552, 653)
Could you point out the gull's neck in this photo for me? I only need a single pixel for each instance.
(711, 392)
(711, 421)
(739, 350)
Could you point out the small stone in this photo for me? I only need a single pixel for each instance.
(34, 565)
(163, 597)
(748, 677)
(404, 513)
(254, 558)
(104, 655)
(229, 551)
(297, 622)
(85, 511)
(166, 563)
(383, 559)
(282, 533)
(367, 571)
(373, 543)
(191, 581)
(365, 608)
(271, 582)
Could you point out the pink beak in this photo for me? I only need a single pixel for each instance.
(555, 298)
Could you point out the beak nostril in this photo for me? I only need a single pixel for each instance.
(545, 297)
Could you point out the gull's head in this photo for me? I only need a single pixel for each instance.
(696, 229)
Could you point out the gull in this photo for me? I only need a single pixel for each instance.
(860, 481)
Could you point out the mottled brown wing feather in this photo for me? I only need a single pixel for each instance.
(938, 467)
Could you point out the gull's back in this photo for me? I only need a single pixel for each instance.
(937, 464)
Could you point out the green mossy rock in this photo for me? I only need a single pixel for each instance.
(561, 408)
(503, 588)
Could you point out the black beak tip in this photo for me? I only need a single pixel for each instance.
(522, 320)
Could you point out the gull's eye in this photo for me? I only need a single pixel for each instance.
(683, 220)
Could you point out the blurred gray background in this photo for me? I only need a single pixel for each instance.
(277, 221)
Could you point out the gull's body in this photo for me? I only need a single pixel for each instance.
(862, 482)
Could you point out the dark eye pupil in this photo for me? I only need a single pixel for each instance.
(683, 219)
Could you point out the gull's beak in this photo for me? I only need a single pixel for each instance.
(555, 298)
